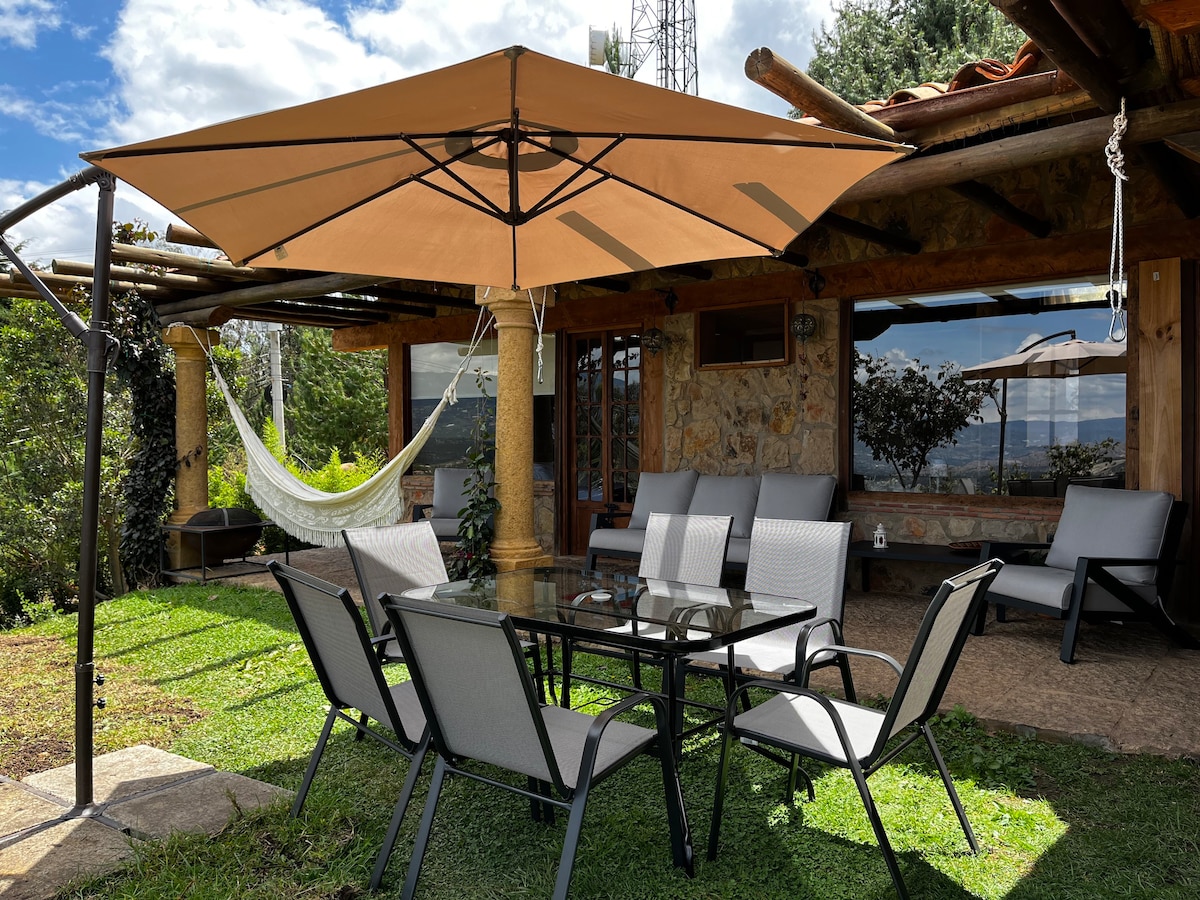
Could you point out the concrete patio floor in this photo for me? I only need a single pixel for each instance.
(1129, 691)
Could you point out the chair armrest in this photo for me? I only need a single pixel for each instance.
(802, 675)
(1007, 550)
(806, 632)
(418, 511)
(608, 519)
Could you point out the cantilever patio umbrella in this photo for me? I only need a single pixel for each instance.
(510, 170)
(1067, 359)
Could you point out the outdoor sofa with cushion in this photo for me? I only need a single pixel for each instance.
(772, 495)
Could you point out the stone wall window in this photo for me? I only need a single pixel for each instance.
(430, 368)
(1057, 423)
(745, 335)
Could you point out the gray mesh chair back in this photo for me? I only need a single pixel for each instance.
(804, 560)
(802, 722)
(685, 548)
(391, 559)
(351, 676)
(481, 706)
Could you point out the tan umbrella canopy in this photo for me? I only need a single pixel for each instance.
(1063, 360)
(513, 169)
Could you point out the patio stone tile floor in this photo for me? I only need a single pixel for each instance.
(1129, 691)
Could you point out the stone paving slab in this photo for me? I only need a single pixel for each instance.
(142, 792)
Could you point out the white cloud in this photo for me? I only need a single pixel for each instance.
(178, 66)
(21, 20)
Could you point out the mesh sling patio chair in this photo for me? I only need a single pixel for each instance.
(680, 548)
(480, 705)
(804, 722)
(392, 559)
(799, 559)
(1112, 558)
(351, 675)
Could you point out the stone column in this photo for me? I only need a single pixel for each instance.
(191, 432)
(515, 545)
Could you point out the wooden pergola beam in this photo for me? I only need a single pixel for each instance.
(952, 167)
(1065, 48)
(265, 293)
(782, 78)
(865, 232)
(1110, 32)
(140, 276)
(980, 193)
(195, 265)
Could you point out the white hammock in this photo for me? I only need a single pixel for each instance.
(318, 517)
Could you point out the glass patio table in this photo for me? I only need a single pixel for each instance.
(664, 619)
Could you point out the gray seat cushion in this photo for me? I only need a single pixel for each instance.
(783, 495)
(663, 492)
(737, 551)
(1051, 588)
(625, 540)
(727, 495)
(445, 529)
(1103, 522)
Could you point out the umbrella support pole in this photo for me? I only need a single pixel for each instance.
(100, 349)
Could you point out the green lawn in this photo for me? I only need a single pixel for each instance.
(218, 674)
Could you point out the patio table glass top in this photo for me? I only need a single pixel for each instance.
(623, 610)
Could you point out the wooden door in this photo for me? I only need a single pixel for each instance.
(603, 449)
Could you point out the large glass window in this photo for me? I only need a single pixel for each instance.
(431, 366)
(1040, 424)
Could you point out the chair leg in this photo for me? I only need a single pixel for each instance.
(550, 670)
(389, 840)
(847, 679)
(312, 762)
(714, 828)
(566, 862)
(981, 619)
(954, 799)
(362, 724)
(422, 841)
(885, 845)
(794, 774)
(1070, 633)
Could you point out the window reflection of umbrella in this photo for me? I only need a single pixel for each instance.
(1038, 360)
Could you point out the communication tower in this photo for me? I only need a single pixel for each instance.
(666, 28)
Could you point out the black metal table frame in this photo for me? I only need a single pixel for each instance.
(567, 627)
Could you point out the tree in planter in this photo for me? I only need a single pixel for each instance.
(1074, 459)
(902, 416)
(472, 556)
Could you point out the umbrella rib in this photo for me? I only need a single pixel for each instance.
(445, 168)
(798, 143)
(547, 202)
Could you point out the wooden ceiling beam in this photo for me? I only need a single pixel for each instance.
(694, 271)
(140, 276)
(195, 265)
(921, 173)
(300, 288)
(1110, 33)
(612, 285)
(1064, 47)
(185, 234)
(1000, 206)
(782, 78)
(865, 232)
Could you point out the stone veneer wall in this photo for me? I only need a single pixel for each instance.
(751, 419)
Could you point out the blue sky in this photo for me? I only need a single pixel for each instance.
(77, 76)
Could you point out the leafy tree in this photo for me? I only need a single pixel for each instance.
(1074, 458)
(876, 47)
(902, 416)
(336, 402)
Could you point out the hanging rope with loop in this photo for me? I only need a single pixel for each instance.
(539, 320)
(1118, 328)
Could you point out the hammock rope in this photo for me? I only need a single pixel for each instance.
(318, 517)
(1118, 328)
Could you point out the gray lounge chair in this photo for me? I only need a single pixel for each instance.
(1112, 558)
(803, 722)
